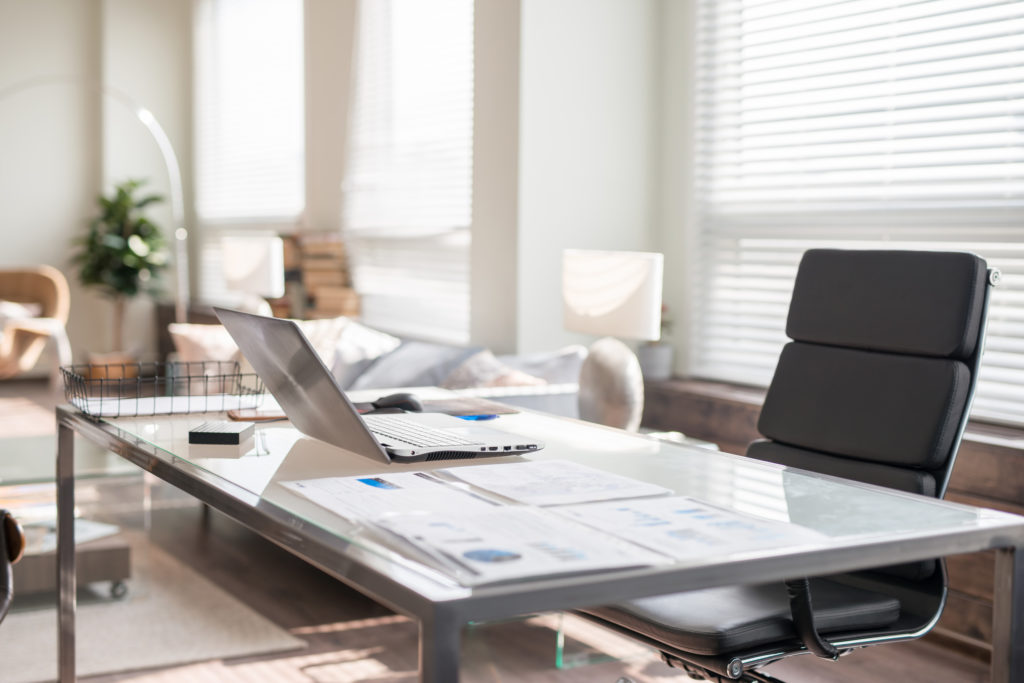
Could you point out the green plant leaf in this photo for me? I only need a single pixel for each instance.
(122, 252)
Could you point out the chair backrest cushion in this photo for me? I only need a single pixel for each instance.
(910, 302)
(879, 407)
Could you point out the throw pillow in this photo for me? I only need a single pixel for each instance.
(557, 367)
(197, 343)
(13, 310)
(357, 348)
(324, 334)
(482, 369)
(413, 364)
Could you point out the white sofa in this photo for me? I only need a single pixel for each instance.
(363, 358)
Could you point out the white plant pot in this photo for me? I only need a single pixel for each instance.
(655, 361)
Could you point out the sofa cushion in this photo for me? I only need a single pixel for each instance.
(561, 366)
(482, 369)
(414, 364)
(197, 343)
(345, 346)
(357, 349)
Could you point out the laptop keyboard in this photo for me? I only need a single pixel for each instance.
(395, 427)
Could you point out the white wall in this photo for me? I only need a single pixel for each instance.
(494, 258)
(50, 170)
(147, 56)
(587, 145)
(577, 133)
(64, 143)
(329, 33)
(675, 208)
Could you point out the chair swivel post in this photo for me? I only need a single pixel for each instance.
(802, 611)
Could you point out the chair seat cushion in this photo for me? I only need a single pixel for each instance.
(721, 620)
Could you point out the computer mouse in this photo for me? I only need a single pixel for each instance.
(401, 400)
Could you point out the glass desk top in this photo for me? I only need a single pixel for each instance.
(32, 460)
(850, 517)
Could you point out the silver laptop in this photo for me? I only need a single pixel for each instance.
(311, 398)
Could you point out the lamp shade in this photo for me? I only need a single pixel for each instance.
(612, 293)
(254, 265)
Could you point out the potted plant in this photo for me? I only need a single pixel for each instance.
(122, 254)
(656, 357)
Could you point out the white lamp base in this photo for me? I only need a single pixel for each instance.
(611, 385)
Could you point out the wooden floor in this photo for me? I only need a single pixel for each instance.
(351, 638)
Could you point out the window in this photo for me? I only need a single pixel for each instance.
(249, 124)
(869, 124)
(408, 186)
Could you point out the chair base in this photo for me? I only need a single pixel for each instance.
(725, 669)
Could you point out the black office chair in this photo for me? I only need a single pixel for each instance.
(12, 546)
(876, 386)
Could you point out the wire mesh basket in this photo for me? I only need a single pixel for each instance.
(142, 389)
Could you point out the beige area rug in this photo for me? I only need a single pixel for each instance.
(171, 616)
(383, 650)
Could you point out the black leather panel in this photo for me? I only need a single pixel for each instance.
(880, 407)
(912, 481)
(719, 620)
(886, 300)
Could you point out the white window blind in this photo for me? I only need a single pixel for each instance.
(867, 124)
(408, 185)
(249, 109)
(249, 125)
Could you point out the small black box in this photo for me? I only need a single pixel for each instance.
(221, 433)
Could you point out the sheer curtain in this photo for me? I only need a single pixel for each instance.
(408, 186)
(249, 125)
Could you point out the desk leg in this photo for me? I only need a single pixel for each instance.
(1008, 617)
(66, 554)
(440, 644)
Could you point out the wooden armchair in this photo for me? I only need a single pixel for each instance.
(23, 341)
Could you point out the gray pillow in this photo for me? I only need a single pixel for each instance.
(414, 364)
(557, 367)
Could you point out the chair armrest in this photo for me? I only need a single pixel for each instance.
(801, 609)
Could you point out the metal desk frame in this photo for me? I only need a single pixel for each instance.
(441, 620)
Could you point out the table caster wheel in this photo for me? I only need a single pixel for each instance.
(118, 589)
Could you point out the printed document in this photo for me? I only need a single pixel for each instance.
(685, 529)
(515, 542)
(473, 539)
(553, 482)
(373, 497)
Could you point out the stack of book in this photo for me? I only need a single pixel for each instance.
(325, 277)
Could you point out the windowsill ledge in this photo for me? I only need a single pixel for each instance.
(738, 396)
